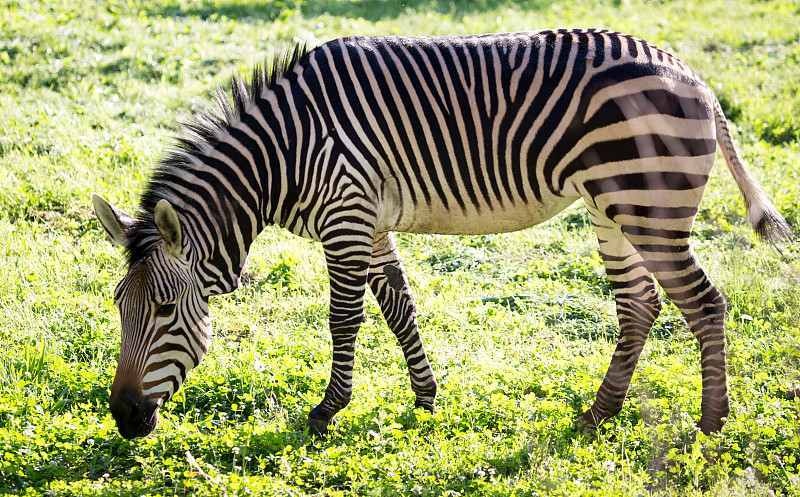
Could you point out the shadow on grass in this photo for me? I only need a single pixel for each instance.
(370, 10)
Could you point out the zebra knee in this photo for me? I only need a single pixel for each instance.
(652, 304)
(637, 313)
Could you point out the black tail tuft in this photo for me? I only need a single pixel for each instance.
(772, 227)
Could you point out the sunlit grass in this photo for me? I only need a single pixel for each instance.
(519, 327)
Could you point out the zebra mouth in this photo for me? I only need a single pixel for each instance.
(135, 417)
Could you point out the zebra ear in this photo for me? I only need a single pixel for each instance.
(169, 226)
(113, 220)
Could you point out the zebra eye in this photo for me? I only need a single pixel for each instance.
(165, 309)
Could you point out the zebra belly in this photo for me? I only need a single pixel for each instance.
(437, 219)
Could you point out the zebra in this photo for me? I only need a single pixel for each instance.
(361, 137)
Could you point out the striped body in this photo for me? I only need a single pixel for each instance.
(454, 135)
(485, 134)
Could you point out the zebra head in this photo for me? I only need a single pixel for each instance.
(164, 314)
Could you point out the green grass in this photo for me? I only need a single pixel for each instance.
(519, 327)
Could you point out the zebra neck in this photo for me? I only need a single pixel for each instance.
(219, 238)
(252, 172)
(220, 200)
(280, 120)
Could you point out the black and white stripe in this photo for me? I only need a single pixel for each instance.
(456, 135)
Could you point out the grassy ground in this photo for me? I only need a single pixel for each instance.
(520, 327)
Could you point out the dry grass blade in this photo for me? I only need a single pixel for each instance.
(198, 470)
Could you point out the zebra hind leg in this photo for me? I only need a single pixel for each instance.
(638, 306)
(703, 307)
(387, 280)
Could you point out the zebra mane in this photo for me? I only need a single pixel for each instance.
(202, 132)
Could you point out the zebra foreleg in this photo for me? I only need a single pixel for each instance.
(388, 282)
(348, 265)
(638, 306)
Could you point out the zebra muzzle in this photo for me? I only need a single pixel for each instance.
(135, 417)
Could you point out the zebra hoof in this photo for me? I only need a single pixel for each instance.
(584, 424)
(710, 426)
(319, 427)
(431, 408)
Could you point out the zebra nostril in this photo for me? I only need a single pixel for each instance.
(124, 406)
(134, 408)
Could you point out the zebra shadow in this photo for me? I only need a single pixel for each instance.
(369, 10)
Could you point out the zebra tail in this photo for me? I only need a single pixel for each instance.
(767, 222)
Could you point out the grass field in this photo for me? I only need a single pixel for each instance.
(519, 327)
